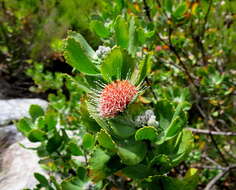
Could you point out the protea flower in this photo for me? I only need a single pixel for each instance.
(113, 98)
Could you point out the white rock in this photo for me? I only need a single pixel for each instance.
(15, 109)
(18, 166)
(8, 136)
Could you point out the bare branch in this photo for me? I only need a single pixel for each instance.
(217, 177)
(211, 160)
(208, 167)
(206, 18)
(173, 49)
(208, 132)
(206, 118)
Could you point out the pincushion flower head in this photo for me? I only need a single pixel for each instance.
(113, 98)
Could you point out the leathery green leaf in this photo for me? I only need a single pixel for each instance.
(36, 135)
(146, 133)
(122, 32)
(80, 55)
(88, 141)
(112, 65)
(132, 154)
(99, 28)
(105, 140)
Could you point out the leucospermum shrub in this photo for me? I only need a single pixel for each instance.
(106, 135)
(120, 123)
(113, 131)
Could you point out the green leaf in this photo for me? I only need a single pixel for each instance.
(36, 111)
(139, 171)
(88, 141)
(121, 128)
(122, 32)
(158, 182)
(131, 47)
(79, 82)
(86, 119)
(41, 179)
(176, 126)
(74, 149)
(51, 120)
(79, 54)
(97, 164)
(180, 10)
(105, 140)
(54, 143)
(112, 65)
(165, 111)
(146, 133)
(82, 172)
(144, 69)
(99, 28)
(183, 146)
(128, 65)
(40, 123)
(178, 121)
(191, 179)
(149, 34)
(141, 36)
(36, 135)
(71, 184)
(77, 184)
(132, 154)
(168, 5)
(118, 64)
(24, 126)
(162, 162)
(171, 121)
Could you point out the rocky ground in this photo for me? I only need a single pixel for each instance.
(17, 164)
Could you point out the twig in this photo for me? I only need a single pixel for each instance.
(209, 167)
(152, 90)
(217, 177)
(198, 40)
(211, 160)
(147, 10)
(231, 119)
(173, 49)
(206, 18)
(208, 132)
(215, 143)
(218, 149)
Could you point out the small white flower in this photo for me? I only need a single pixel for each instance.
(102, 51)
(147, 118)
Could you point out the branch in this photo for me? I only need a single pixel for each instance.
(147, 10)
(208, 132)
(204, 155)
(173, 49)
(217, 177)
(209, 167)
(211, 135)
(206, 18)
(152, 90)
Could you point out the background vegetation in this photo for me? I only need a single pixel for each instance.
(182, 50)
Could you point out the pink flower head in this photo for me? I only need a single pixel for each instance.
(115, 97)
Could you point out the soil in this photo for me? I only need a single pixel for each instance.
(16, 87)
